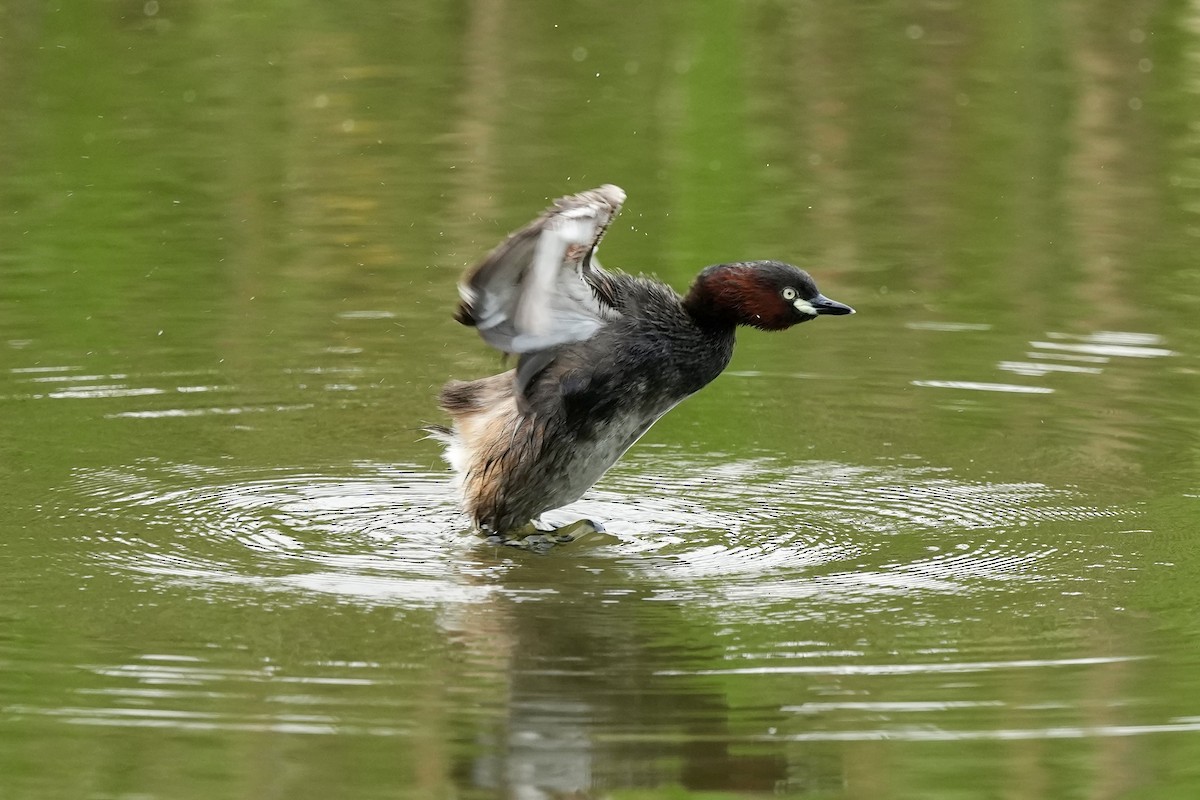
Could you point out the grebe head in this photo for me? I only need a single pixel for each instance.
(769, 295)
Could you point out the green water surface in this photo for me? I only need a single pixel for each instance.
(940, 549)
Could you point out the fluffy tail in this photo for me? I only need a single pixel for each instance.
(452, 446)
(439, 433)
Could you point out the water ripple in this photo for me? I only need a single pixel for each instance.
(386, 534)
(714, 531)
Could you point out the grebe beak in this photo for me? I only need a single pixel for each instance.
(823, 305)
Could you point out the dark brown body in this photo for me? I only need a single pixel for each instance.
(584, 410)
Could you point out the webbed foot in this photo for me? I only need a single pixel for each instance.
(529, 537)
(573, 531)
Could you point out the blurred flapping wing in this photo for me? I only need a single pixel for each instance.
(540, 287)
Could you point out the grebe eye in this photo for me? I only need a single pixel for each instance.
(789, 293)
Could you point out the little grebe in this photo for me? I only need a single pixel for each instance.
(601, 356)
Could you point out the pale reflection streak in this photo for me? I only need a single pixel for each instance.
(937, 667)
(170, 413)
(103, 392)
(981, 386)
(184, 688)
(69, 378)
(934, 734)
(210, 721)
(1124, 351)
(1094, 351)
(88, 388)
(1034, 370)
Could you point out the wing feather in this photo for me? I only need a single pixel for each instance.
(539, 289)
